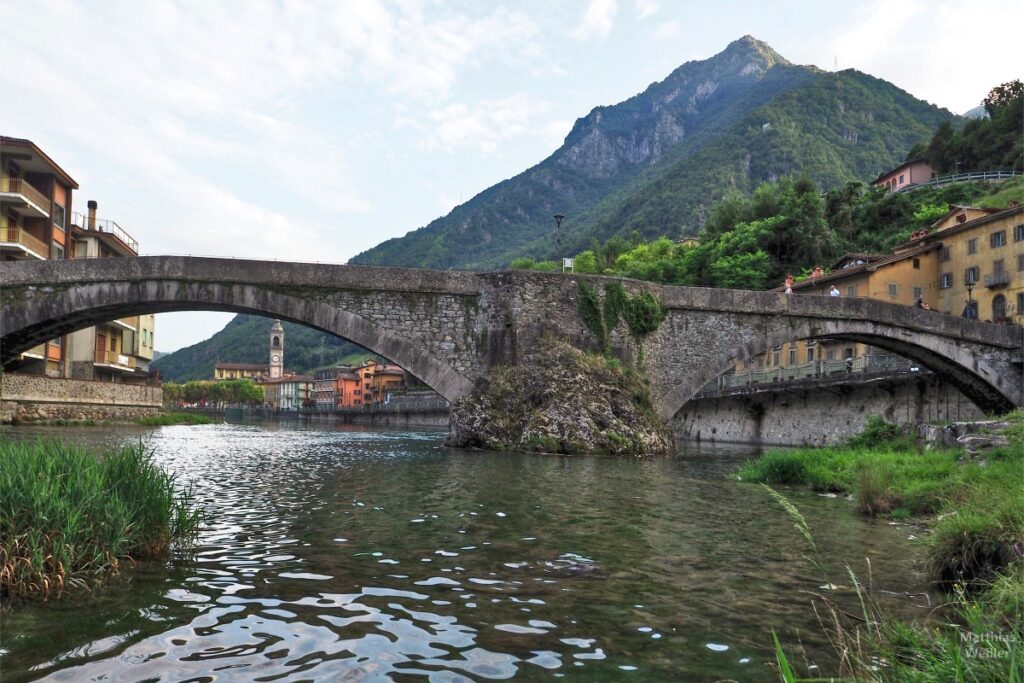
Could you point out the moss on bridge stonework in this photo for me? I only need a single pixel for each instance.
(561, 401)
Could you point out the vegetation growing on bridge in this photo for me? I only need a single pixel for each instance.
(70, 516)
(642, 313)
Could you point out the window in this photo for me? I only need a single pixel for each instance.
(971, 275)
(972, 245)
(961, 218)
(113, 343)
(810, 354)
(848, 352)
(901, 180)
(1018, 233)
(1020, 303)
(56, 252)
(776, 359)
(1020, 262)
(851, 290)
(999, 308)
(997, 239)
(917, 293)
(830, 354)
(946, 281)
(792, 355)
(58, 215)
(56, 342)
(917, 264)
(893, 290)
(997, 266)
(945, 255)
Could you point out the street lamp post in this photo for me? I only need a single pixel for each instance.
(969, 284)
(558, 235)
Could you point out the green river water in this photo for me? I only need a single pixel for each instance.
(350, 554)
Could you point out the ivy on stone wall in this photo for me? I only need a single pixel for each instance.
(589, 306)
(643, 313)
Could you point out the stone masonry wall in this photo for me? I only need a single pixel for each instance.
(43, 412)
(38, 389)
(819, 417)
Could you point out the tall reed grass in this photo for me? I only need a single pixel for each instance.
(176, 418)
(975, 637)
(69, 516)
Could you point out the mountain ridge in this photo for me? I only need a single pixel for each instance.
(614, 150)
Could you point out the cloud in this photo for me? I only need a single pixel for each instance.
(668, 30)
(484, 126)
(597, 21)
(645, 8)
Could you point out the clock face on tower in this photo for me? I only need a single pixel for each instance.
(275, 358)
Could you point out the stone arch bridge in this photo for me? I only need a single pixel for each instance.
(450, 328)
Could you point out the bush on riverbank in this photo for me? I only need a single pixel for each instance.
(69, 516)
(980, 507)
(174, 419)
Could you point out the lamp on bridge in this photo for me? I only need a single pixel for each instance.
(970, 311)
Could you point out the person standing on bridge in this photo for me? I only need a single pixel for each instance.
(833, 291)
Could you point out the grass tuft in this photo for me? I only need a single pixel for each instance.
(69, 516)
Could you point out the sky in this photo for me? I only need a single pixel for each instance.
(311, 131)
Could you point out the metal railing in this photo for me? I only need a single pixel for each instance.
(114, 358)
(877, 363)
(999, 278)
(962, 177)
(25, 189)
(14, 235)
(106, 226)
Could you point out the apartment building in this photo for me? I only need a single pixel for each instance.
(378, 380)
(35, 204)
(120, 350)
(287, 393)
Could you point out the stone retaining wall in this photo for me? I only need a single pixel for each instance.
(32, 398)
(821, 416)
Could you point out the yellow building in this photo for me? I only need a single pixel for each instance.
(980, 263)
(970, 262)
(239, 371)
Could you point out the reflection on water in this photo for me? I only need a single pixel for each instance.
(362, 555)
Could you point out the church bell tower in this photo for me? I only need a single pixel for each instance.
(276, 350)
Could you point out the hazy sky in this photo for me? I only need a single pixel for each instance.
(312, 131)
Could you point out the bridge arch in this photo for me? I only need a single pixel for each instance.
(92, 304)
(976, 376)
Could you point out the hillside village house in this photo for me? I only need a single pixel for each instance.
(905, 175)
(37, 221)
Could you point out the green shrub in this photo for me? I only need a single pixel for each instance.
(69, 515)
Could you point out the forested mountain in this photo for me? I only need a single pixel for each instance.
(246, 339)
(657, 162)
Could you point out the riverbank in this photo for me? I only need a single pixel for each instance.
(973, 510)
(70, 516)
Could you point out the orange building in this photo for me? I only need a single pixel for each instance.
(348, 393)
(377, 380)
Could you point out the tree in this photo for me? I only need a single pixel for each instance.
(1002, 95)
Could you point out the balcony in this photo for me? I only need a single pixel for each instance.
(113, 359)
(1000, 278)
(26, 199)
(125, 244)
(27, 243)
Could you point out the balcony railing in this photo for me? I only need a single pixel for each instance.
(1000, 278)
(106, 226)
(25, 189)
(15, 235)
(114, 358)
(961, 177)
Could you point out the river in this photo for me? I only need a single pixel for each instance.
(350, 554)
